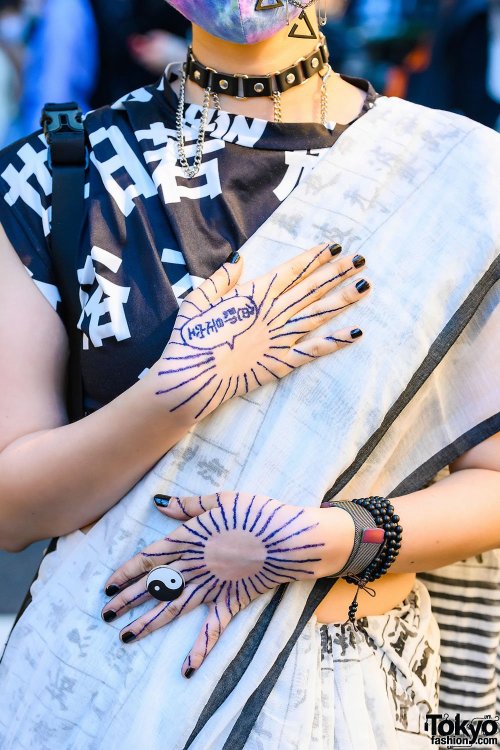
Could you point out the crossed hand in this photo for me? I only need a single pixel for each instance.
(231, 548)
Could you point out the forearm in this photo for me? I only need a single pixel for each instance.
(58, 480)
(451, 520)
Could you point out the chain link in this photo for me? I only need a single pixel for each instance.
(304, 6)
(278, 116)
(324, 95)
(195, 168)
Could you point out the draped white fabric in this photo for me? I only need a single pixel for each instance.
(414, 190)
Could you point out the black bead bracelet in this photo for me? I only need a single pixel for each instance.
(383, 513)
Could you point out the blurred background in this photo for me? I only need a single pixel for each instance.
(439, 53)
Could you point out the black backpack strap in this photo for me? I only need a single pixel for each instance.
(68, 161)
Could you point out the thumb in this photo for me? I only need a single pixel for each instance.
(221, 281)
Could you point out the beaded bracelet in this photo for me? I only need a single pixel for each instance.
(383, 513)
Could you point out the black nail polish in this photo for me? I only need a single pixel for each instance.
(128, 636)
(233, 257)
(112, 589)
(109, 615)
(358, 261)
(189, 671)
(335, 248)
(362, 285)
(356, 332)
(162, 500)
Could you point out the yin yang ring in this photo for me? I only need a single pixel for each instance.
(165, 584)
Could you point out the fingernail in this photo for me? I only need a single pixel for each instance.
(362, 285)
(358, 261)
(128, 636)
(335, 248)
(189, 671)
(112, 589)
(356, 332)
(109, 615)
(233, 258)
(162, 500)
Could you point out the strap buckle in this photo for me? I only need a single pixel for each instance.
(65, 135)
(61, 118)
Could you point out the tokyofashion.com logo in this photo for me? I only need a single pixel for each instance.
(456, 732)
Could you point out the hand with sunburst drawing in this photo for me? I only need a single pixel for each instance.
(231, 548)
(231, 338)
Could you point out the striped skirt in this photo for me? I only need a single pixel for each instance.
(370, 689)
(465, 599)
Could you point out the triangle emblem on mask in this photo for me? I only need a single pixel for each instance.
(269, 5)
(293, 31)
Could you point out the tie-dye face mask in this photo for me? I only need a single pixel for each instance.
(236, 20)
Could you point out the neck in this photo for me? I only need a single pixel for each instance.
(275, 53)
(299, 104)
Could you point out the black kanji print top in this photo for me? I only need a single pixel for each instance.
(151, 234)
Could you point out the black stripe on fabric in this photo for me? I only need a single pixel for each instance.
(437, 351)
(469, 693)
(468, 663)
(252, 708)
(453, 613)
(450, 333)
(238, 665)
(477, 680)
(459, 584)
(463, 629)
(466, 647)
(481, 709)
(480, 600)
(445, 456)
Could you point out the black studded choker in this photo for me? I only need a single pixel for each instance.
(243, 86)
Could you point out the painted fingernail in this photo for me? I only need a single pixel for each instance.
(109, 615)
(356, 333)
(362, 285)
(335, 248)
(189, 671)
(358, 261)
(112, 589)
(233, 257)
(162, 500)
(128, 636)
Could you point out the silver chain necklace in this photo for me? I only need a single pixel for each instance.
(192, 171)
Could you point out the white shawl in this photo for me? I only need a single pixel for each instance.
(414, 190)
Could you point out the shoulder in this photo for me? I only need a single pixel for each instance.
(418, 118)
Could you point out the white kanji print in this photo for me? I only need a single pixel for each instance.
(168, 171)
(21, 185)
(123, 160)
(299, 164)
(107, 300)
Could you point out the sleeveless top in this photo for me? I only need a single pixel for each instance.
(150, 234)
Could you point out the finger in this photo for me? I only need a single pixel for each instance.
(213, 627)
(316, 286)
(313, 348)
(314, 315)
(163, 552)
(298, 268)
(190, 506)
(218, 284)
(127, 599)
(161, 615)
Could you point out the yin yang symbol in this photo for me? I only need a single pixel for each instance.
(165, 583)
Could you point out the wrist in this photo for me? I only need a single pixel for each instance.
(154, 412)
(337, 531)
